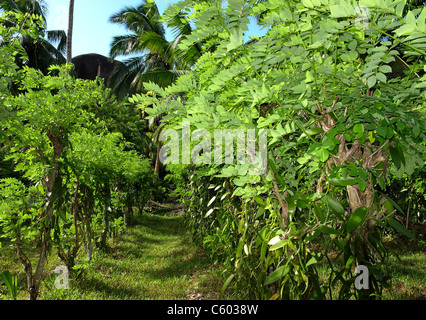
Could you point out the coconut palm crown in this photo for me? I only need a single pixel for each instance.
(44, 51)
(151, 57)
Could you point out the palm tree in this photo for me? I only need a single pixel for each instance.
(70, 27)
(41, 52)
(153, 58)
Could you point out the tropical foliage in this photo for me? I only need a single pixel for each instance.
(152, 56)
(78, 178)
(44, 49)
(335, 90)
(340, 129)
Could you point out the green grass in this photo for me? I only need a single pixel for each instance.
(406, 266)
(154, 259)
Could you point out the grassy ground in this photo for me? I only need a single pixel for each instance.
(406, 266)
(408, 269)
(156, 259)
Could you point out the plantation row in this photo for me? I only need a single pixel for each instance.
(75, 177)
(342, 104)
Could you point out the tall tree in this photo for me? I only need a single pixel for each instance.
(70, 29)
(153, 57)
(42, 51)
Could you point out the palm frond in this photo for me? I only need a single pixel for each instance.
(185, 58)
(136, 63)
(53, 51)
(123, 75)
(156, 43)
(124, 45)
(140, 19)
(40, 53)
(157, 59)
(161, 76)
(58, 37)
(179, 25)
(8, 5)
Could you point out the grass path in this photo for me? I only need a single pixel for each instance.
(154, 259)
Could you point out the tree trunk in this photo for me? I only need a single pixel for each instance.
(128, 214)
(107, 204)
(52, 181)
(70, 28)
(157, 159)
(370, 156)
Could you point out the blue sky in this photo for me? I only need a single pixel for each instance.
(92, 32)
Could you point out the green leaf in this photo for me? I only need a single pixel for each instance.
(312, 260)
(151, 86)
(328, 230)
(209, 212)
(396, 158)
(236, 39)
(334, 205)
(385, 69)
(342, 182)
(388, 206)
(246, 249)
(349, 262)
(279, 179)
(356, 218)
(263, 250)
(309, 77)
(274, 240)
(381, 77)
(371, 81)
(307, 3)
(239, 248)
(322, 154)
(277, 274)
(227, 282)
(319, 213)
(406, 29)
(400, 228)
(211, 201)
(371, 137)
(259, 200)
(279, 245)
(362, 185)
(340, 11)
(359, 127)
(11, 283)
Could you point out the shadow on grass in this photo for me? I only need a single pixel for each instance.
(106, 290)
(161, 224)
(181, 263)
(182, 257)
(151, 257)
(404, 268)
